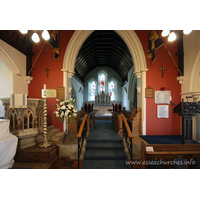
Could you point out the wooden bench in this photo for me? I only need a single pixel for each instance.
(133, 119)
(167, 153)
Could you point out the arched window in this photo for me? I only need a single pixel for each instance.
(93, 87)
(112, 91)
(91, 90)
(102, 82)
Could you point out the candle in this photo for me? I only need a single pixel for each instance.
(44, 86)
(170, 98)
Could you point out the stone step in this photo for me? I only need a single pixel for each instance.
(49, 128)
(58, 137)
(52, 133)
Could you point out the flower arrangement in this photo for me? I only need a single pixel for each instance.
(66, 109)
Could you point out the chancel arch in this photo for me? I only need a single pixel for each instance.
(136, 50)
(195, 91)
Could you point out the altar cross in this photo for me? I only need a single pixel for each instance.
(47, 70)
(163, 70)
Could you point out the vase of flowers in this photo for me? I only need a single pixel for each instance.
(66, 110)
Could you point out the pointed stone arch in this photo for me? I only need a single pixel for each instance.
(194, 79)
(136, 50)
(8, 61)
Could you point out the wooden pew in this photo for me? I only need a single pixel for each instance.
(166, 153)
(134, 120)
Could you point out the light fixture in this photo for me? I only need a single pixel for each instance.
(45, 35)
(23, 31)
(172, 37)
(35, 37)
(186, 32)
(165, 33)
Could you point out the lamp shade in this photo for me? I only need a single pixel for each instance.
(23, 31)
(35, 37)
(186, 32)
(45, 35)
(165, 33)
(172, 37)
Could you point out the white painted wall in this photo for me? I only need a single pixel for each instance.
(15, 61)
(78, 92)
(191, 44)
(191, 82)
(12, 73)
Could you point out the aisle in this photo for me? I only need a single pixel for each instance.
(104, 148)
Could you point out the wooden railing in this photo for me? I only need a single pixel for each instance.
(127, 135)
(81, 136)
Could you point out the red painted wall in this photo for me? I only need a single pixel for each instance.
(55, 76)
(155, 126)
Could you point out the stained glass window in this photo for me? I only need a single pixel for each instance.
(112, 94)
(102, 82)
(93, 86)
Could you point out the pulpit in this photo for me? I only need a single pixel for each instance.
(187, 110)
(8, 145)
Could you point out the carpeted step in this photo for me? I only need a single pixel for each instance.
(105, 164)
(105, 145)
(105, 154)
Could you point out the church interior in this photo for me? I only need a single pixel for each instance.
(134, 94)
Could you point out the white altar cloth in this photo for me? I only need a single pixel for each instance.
(102, 109)
(8, 145)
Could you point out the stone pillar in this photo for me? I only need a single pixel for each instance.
(70, 75)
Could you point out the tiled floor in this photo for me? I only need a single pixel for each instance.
(67, 164)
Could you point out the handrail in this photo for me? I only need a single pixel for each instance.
(81, 137)
(128, 136)
(81, 127)
(127, 127)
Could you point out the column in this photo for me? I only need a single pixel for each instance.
(70, 75)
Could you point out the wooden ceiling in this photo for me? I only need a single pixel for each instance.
(103, 48)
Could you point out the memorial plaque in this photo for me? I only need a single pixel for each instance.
(50, 93)
(162, 97)
(61, 93)
(163, 111)
(149, 92)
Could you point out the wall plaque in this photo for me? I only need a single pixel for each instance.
(163, 111)
(149, 92)
(61, 93)
(162, 97)
(50, 93)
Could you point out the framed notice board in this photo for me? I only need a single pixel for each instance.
(61, 93)
(149, 92)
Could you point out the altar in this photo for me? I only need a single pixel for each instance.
(102, 109)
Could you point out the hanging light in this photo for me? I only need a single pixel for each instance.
(186, 32)
(165, 33)
(35, 37)
(45, 35)
(172, 37)
(23, 31)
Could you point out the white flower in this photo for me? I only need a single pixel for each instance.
(63, 107)
(57, 115)
(74, 100)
